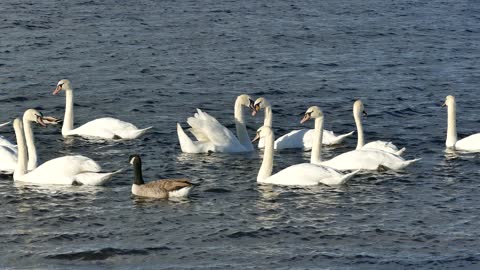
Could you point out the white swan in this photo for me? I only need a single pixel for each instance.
(105, 128)
(363, 159)
(302, 138)
(214, 137)
(304, 174)
(358, 110)
(66, 170)
(468, 144)
(161, 189)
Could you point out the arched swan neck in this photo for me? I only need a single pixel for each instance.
(68, 118)
(452, 126)
(358, 122)
(137, 168)
(316, 156)
(240, 126)
(31, 149)
(21, 168)
(267, 163)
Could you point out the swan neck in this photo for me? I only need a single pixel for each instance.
(240, 126)
(31, 149)
(358, 122)
(68, 118)
(316, 156)
(21, 168)
(268, 116)
(138, 178)
(452, 126)
(267, 163)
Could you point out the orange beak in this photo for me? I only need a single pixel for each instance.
(57, 89)
(305, 118)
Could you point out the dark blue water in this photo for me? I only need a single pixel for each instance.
(154, 62)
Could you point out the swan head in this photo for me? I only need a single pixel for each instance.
(358, 108)
(260, 103)
(312, 112)
(245, 100)
(262, 132)
(449, 101)
(134, 159)
(63, 84)
(33, 115)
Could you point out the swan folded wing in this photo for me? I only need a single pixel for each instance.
(470, 143)
(106, 127)
(209, 128)
(305, 174)
(8, 160)
(368, 159)
(5, 142)
(293, 139)
(381, 145)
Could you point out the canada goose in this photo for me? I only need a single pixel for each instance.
(162, 189)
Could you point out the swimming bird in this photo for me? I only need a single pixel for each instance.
(214, 137)
(67, 170)
(104, 128)
(162, 189)
(468, 144)
(358, 110)
(304, 174)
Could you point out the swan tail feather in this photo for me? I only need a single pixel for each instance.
(348, 176)
(400, 152)
(186, 144)
(342, 137)
(95, 179)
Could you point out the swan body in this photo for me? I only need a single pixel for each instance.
(467, 144)
(302, 138)
(358, 110)
(66, 170)
(104, 128)
(161, 189)
(214, 137)
(368, 159)
(8, 160)
(305, 174)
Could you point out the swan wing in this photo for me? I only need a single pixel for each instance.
(209, 129)
(108, 128)
(301, 138)
(381, 145)
(305, 174)
(470, 143)
(367, 160)
(8, 160)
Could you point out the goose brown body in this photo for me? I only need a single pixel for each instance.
(162, 189)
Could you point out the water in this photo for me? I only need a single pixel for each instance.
(154, 62)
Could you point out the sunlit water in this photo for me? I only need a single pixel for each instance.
(154, 62)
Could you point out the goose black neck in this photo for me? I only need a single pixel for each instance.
(137, 167)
